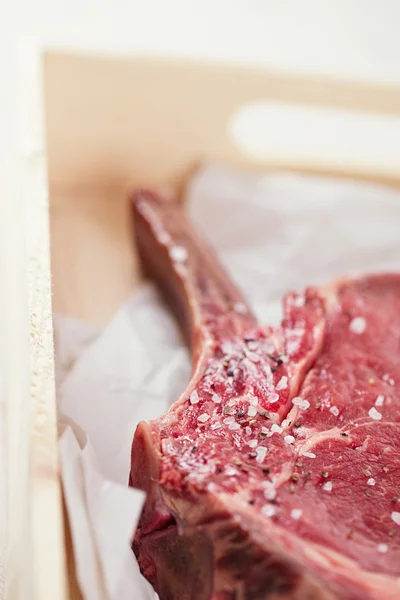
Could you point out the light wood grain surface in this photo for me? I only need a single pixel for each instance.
(36, 555)
(118, 122)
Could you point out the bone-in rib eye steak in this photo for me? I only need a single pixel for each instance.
(276, 474)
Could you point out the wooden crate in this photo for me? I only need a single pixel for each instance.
(108, 124)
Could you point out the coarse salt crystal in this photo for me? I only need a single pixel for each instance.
(296, 513)
(276, 428)
(252, 345)
(301, 431)
(303, 404)
(229, 420)
(269, 510)
(248, 430)
(371, 481)
(289, 439)
(383, 548)
(299, 301)
(358, 325)
(264, 430)
(282, 383)
(203, 417)
(252, 411)
(231, 471)
(252, 356)
(252, 443)
(240, 308)
(261, 453)
(207, 468)
(194, 397)
(334, 410)
(216, 426)
(269, 490)
(309, 454)
(234, 426)
(273, 398)
(379, 401)
(253, 400)
(215, 398)
(178, 253)
(374, 414)
(327, 486)
(387, 379)
(396, 517)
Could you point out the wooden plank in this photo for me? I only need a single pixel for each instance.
(120, 122)
(45, 490)
(37, 558)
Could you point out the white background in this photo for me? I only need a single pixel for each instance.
(352, 38)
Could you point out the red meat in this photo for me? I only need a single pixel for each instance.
(277, 472)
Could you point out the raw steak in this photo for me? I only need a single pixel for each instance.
(277, 473)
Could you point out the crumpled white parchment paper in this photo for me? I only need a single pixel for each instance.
(273, 233)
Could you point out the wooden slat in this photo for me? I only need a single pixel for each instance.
(36, 558)
(145, 121)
